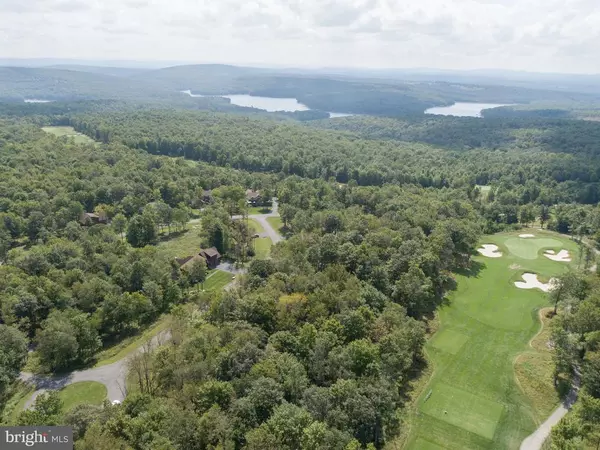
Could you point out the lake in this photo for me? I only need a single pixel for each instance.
(270, 104)
(463, 109)
(35, 100)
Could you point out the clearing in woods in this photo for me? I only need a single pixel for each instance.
(476, 402)
(69, 132)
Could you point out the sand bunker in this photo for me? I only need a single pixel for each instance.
(525, 236)
(490, 250)
(532, 282)
(562, 256)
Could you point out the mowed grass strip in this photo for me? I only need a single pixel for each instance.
(474, 379)
(262, 247)
(217, 280)
(449, 341)
(276, 223)
(463, 409)
(423, 444)
(82, 393)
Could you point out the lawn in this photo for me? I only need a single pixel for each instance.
(181, 244)
(256, 226)
(476, 401)
(259, 210)
(262, 247)
(217, 280)
(84, 392)
(276, 223)
(70, 132)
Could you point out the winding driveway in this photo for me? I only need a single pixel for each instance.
(112, 375)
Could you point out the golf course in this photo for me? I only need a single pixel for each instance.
(473, 399)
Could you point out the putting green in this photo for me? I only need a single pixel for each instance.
(530, 248)
(487, 323)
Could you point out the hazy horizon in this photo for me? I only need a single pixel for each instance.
(545, 36)
(159, 64)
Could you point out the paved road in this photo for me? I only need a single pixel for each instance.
(270, 232)
(536, 440)
(112, 376)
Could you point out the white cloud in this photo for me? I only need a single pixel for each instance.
(550, 35)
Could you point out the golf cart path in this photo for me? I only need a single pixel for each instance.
(536, 440)
(112, 375)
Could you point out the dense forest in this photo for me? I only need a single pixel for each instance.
(335, 316)
(315, 347)
(556, 157)
(576, 337)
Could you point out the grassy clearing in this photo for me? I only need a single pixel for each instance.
(276, 223)
(217, 280)
(69, 132)
(82, 393)
(125, 347)
(262, 247)
(476, 402)
(181, 244)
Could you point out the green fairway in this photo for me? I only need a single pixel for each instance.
(475, 402)
(84, 392)
(69, 132)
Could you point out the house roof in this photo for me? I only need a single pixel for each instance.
(252, 194)
(189, 260)
(91, 215)
(183, 261)
(210, 252)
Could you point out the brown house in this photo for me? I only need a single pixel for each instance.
(92, 219)
(211, 256)
(253, 197)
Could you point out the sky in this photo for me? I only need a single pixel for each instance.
(533, 35)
